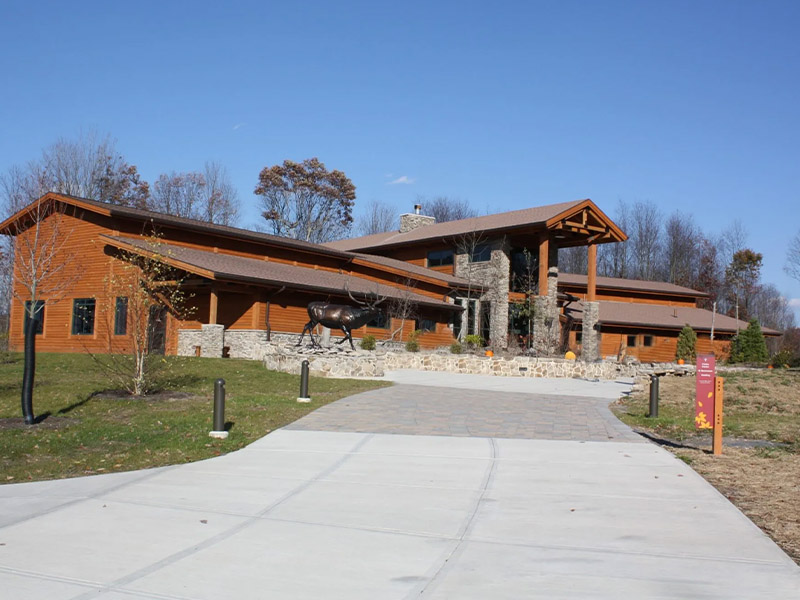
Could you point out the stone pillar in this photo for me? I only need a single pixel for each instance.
(546, 323)
(591, 337)
(500, 275)
(212, 339)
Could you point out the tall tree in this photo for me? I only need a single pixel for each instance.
(710, 276)
(444, 208)
(378, 218)
(793, 258)
(614, 260)
(680, 245)
(208, 196)
(573, 260)
(645, 240)
(742, 275)
(305, 201)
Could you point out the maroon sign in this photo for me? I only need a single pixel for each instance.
(704, 385)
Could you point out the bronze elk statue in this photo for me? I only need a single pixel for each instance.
(340, 316)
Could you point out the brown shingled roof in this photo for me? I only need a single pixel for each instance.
(631, 284)
(116, 210)
(226, 267)
(416, 269)
(537, 215)
(659, 316)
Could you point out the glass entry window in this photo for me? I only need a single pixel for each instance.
(83, 316)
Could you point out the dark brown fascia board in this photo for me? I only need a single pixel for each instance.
(264, 282)
(640, 326)
(364, 261)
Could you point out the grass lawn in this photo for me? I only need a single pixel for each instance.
(760, 406)
(90, 429)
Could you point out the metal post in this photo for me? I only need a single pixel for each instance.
(219, 410)
(653, 397)
(304, 397)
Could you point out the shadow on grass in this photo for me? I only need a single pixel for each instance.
(229, 425)
(666, 442)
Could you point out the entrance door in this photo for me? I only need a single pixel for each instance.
(157, 330)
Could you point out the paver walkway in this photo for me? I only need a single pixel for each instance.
(425, 410)
(303, 514)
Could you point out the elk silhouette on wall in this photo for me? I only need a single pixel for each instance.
(340, 316)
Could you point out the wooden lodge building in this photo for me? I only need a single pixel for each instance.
(245, 288)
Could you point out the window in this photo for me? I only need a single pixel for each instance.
(481, 253)
(647, 340)
(83, 316)
(439, 258)
(38, 316)
(631, 341)
(426, 325)
(579, 337)
(121, 316)
(381, 321)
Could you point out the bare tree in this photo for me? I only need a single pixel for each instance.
(681, 243)
(138, 294)
(645, 233)
(179, 194)
(574, 260)
(42, 273)
(793, 258)
(402, 308)
(614, 260)
(305, 201)
(378, 218)
(742, 276)
(220, 203)
(467, 247)
(207, 196)
(444, 209)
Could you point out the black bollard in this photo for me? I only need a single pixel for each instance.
(653, 397)
(219, 410)
(304, 397)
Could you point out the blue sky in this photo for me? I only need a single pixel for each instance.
(691, 105)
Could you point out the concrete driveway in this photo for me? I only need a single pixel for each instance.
(460, 507)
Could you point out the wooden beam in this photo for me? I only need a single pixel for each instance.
(591, 284)
(212, 307)
(544, 262)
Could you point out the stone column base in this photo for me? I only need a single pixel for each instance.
(212, 340)
(589, 331)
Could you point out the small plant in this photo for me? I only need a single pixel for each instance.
(412, 345)
(687, 341)
(456, 348)
(368, 342)
(782, 358)
(474, 341)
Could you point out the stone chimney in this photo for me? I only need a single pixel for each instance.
(411, 221)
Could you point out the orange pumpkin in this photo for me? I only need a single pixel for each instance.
(681, 361)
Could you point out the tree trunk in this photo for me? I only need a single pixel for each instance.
(29, 370)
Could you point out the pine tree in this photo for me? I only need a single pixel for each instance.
(687, 340)
(751, 346)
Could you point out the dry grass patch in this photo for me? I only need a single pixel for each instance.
(762, 407)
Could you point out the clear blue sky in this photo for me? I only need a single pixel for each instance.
(692, 105)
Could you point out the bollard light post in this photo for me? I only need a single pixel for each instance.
(304, 397)
(653, 414)
(219, 411)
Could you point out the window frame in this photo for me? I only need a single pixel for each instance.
(387, 321)
(440, 258)
(648, 340)
(631, 338)
(422, 325)
(121, 315)
(480, 253)
(87, 306)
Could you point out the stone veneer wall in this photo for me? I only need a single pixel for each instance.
(410, 221)
(590, 342)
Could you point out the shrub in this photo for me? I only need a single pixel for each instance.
(412, 345)
(368, 342)
(687, 341)
(749, 345)
(782, 358)
(456, 347)
(474, 341)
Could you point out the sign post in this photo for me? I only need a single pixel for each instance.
(719, 392)
(704, 388)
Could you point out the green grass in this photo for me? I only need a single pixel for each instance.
(90, 429)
